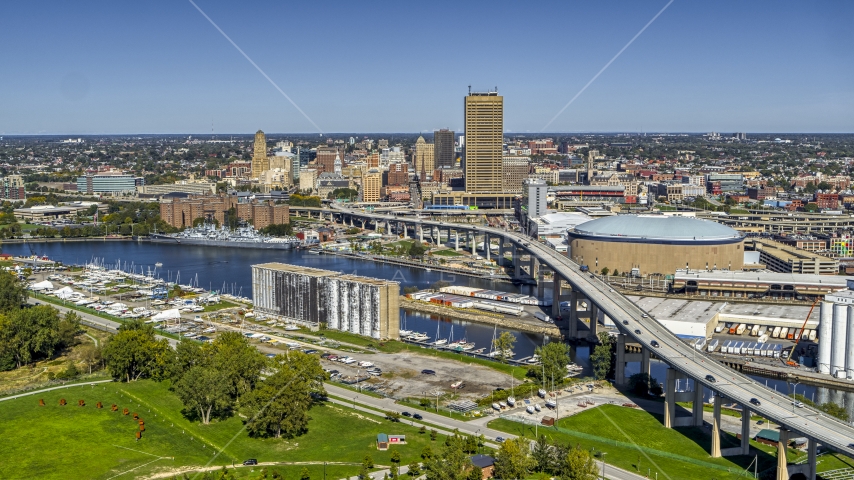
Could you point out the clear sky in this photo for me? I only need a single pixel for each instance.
(159, 66)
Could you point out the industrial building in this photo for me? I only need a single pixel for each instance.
(836, 335)
(310, 296)
(780, 257)
(718, 283)
(655, 244)
(108, 183)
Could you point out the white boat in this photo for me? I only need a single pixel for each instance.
(537, 407)
(405, 333)
(502, 404)
(291, 328)
(441, 341)
(158, 264)
(529, 409)
(541, 393)
(551, 403)
(457, 384)
(511, 401)
(496, 407)
(365, 364)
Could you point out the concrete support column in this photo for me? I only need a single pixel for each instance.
(745, 431)
(420, 233)
(556, 295)
(541, 284)
(811, 458)
(782, 461)
(594, 318)
(716, 426)
(644, 368)
(573, 314)
(405, 230)
(620, 366)
(456, 240)
(670, 398)
(501, 251)
(517, 262)
(532, 270)
(473, 242)
(697, 406)
(486, 247)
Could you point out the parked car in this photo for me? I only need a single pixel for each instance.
(499, 439)
(406, 414)
(428, 372)
(251, 461)
(417, 416)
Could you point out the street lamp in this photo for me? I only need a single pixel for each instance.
(794, 392)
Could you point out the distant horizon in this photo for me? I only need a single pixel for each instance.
(724, 133)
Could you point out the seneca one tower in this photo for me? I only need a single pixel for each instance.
(484, 123)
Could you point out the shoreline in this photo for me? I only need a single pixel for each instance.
(503, 321)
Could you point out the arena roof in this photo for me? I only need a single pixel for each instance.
(656, 227)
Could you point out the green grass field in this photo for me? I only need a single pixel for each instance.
(637, 441)
(448, 253)
(86, 442)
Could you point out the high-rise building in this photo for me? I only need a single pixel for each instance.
(326, 158)
(443, 148)
(372, 181)
(515, 172)
(423, 158)
(259, 155)
(537, 197)
(12, 188)
(484, 127)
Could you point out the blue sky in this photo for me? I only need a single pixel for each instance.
(160, 67)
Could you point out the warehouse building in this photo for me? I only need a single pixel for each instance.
(310, 296)
(755, 284)
(780, 257)
(655, 244)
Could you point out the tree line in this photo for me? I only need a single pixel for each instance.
(220, 379)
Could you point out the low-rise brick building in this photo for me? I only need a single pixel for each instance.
(181, 212)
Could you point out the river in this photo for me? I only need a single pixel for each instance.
(228, 270)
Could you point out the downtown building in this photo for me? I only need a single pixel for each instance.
(181, 212)
(12, 188)
(311, 297)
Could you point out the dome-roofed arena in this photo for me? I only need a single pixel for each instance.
(655, 244)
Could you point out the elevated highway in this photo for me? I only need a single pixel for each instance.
(684, 361)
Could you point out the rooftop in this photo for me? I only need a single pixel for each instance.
(764, 277)
(652, 227)
(316, 272)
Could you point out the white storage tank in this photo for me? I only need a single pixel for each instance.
(825, 326)
(849, 351)
(838, 337)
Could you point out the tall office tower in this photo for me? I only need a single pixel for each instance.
(484, 122)
(443, 148)
(371, 185)
(259, 155)
(423, 158)
(326, 158)
(591, 159)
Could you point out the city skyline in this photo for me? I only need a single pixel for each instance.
(163, 68)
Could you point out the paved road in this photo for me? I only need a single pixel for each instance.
(58, 387)
(829, 431)
(448, 423)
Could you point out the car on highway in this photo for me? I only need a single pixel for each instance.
(755, 401)
(428, 372)
(655, 344)
(711, 378)
(406, 414)
(851, 446)
(251, 461)
(625, 322)
(611, 290)
(638, 332)
(798, 404)
(417, 416)
(499, 439)
(645, 316)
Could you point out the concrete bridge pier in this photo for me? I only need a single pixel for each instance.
(517, 262)
(593, 309)
(556, 296)
(456, 240)
(500, 261)
(716, 425)
(405, 230)
(541, 284)
(486, 247)
(671, 396)
(811, 458)
(472, 242)
(532, 269)
(420, 233)
(782, 461)
(623, 357)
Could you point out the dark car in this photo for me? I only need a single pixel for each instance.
(333, 372)
(711, 378)
(638, 332)
(251, 461)
(625, 322)
(654, 344)
(851, 446)
(417, 416)
(310, 351)
(755, 402)
(325, 355)
(428, 372)
(406, 414)
(499, 439)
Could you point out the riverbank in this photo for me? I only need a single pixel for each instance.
(502, 321)
(20, 241)
(429, 267)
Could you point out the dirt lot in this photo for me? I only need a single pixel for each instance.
(403, 378)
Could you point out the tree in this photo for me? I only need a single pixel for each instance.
(204, 391)
(69, 328)
(279, 405)
(13, 292)
(27, 333)
(414, 469)
(417, 249)
(601, 357)
(835, 410)
(503, 346)
(542, 455)
(134, 352)
(512, 459)
(577, 464)
(426, 453)
(304, 475)
(395, 464)
(90, 354)
(368, 462)
(392, 415)
(554, 357)
(433, 435)
(449, 464)
(605, 270)
(475, 473)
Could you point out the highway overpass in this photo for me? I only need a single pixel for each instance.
(636, 325)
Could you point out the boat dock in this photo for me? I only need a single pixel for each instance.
(406, 263)
(470, 353)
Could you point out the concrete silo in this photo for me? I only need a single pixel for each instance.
(849, 345)
(825, 326)
(839, 337)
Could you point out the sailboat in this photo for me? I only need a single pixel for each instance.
(439, 341)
